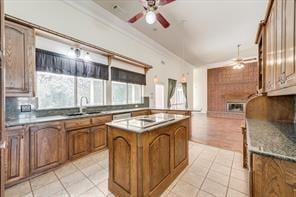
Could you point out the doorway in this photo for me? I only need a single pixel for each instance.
(159, 96)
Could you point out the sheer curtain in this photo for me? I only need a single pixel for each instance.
(171, 90)
(184, 87)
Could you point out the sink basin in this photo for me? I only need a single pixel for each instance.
(94, 112)
(76, 114)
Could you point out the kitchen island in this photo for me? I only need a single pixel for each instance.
(146, 153)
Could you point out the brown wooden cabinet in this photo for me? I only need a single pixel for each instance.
(270, 50)
(289, 64)
(79, 143)
(16, 155)
(278, 51)
(140, 113)
(98, 138)
(19, 59)
(46, 150)
(272, 177)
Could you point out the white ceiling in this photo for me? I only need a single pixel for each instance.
(211, 32)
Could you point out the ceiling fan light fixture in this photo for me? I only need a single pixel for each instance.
(150, 17)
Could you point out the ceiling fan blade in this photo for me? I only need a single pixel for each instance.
(164, 2)
(162, 20)
(136, 17)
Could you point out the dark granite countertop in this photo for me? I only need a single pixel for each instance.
(274, 139)
(34, 119)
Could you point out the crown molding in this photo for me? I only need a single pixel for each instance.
(92, 9)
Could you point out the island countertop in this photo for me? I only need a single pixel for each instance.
(137, 124)
(274, 139)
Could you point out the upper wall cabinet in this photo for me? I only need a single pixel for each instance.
(279, 64)
(20, 59)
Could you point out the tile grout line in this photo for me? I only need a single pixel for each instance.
(62, 183)
(207, 174)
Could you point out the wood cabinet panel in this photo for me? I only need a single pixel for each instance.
(273, 177)
(159, 160)
(122, 160)
(180, 145)
(140, 113)
(78, 141)
(45, 146)
(98, 138)
(289, 70)
(279, 63)
(101, 120)
(178, 112)
(158, 111)
(16, 155)
(77, 123)
(19, 59)
(271, 50)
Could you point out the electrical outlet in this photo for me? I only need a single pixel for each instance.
(25, 108)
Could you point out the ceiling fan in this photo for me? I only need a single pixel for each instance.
(151, 13)
(239, 63)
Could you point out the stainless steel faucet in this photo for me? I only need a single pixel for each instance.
(81, 107)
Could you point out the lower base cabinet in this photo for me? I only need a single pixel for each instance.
(83, 141)
(46, 150)
(16, 155)
(98, 138)
(272, 177)
(78, 141)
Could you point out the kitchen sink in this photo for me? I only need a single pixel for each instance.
(83, 113)
(76, 114)
(94, 112)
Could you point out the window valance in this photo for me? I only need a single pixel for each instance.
(47, 61)
(122, 75)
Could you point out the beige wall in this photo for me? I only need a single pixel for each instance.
(75, 20)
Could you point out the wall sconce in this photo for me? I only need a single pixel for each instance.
(87, 57)
(76, 53)
(183, 79)
(155, 79)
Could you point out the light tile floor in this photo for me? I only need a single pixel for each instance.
(211, 172)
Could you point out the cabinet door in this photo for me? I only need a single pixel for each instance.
(98, 138)
(78, 141)
(19, 58)
(140, 113)
(270, 50)
(45, 146)
(289, 71)
(16, 155)
(279, 42)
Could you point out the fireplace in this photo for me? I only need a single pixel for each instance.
(238, 107)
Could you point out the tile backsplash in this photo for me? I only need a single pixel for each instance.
(13, 108)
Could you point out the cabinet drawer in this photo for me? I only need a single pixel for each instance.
(77, 123)
(101, 120)
(178, 112)
(140, 113)
(158, 111)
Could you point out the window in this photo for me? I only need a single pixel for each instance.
(91, 88)
(178, 100)
(126, 93)
(135, 93)
(119, 93)
(57, 90)
(159, 96)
